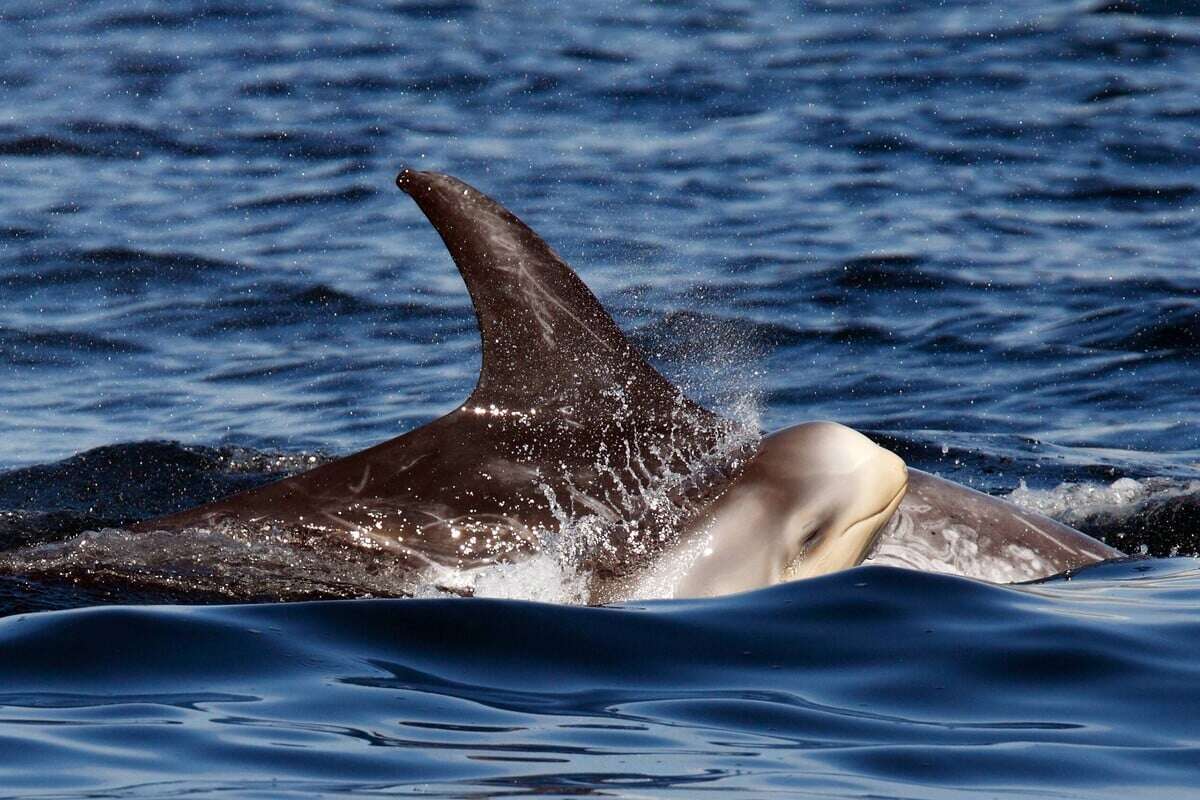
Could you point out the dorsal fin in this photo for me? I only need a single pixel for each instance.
(546, 338)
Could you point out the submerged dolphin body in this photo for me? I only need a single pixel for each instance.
(570, 432)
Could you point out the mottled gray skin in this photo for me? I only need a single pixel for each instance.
(944, 527)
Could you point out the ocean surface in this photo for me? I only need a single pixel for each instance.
(968, 229)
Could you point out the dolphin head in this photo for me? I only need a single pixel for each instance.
(812, 500)
(843, 489)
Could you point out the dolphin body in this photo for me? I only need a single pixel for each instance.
(942, 526)
(570, 433)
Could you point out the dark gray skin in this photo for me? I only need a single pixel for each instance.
(569, 420)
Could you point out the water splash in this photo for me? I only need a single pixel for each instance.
(1073, 502)
(627, 538)
(1149, 516)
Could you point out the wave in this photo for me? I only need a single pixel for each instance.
(437, 9)
(39, 145)
(1157, 154)
(94, 138)
(1148, 8)
(122, 266)
(302, 145)
(1113, 90)
(183, 17)
(884, 272)
(19, 233)
(1114, 193)
(872, 682)
(275, 305)
(33, 347)
(1152, 326)
(101, 139)
(352, 194)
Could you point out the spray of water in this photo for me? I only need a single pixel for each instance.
(622, 533)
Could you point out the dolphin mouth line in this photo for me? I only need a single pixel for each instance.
(882, 516)
(895, 501)
(795, 570)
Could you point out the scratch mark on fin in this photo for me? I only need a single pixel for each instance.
(356, 488)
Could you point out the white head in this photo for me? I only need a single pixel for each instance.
(812, 500)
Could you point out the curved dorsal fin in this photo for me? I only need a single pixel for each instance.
(546, 338)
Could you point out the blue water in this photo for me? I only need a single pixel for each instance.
(967, 228)
(873, 683)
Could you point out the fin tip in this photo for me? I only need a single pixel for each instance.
(406, 180)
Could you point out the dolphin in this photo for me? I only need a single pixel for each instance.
(571, 436)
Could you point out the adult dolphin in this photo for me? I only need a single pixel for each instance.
(569, 427)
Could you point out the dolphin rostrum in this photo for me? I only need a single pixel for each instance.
(569, 432)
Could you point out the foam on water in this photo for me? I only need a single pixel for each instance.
(1157, 516)
(1074, 502)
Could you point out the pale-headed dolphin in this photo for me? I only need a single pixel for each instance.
(569, 422)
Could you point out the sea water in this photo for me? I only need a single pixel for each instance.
(967, 229)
